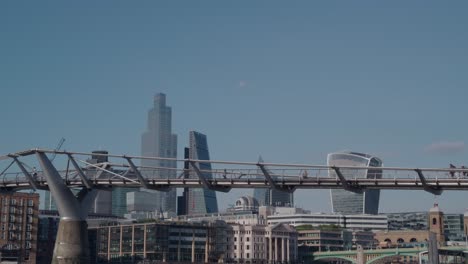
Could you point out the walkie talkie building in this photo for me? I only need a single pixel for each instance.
(346, 202)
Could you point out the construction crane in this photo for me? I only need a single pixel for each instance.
(59, 145)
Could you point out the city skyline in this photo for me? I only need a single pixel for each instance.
(290, 82)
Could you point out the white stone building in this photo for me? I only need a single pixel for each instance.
(261, 243)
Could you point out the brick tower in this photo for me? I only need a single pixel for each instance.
(436, 223)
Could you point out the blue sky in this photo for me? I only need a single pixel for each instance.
(289, 81)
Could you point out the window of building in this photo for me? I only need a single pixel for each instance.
(30, 203)
(30, 210)
(13, 201)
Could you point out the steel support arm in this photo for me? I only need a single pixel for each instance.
(426, 186)
(345, 183)
(272, 182)
(267, 175)
(83, 177)
(30, 178)
(137, 173)
(205, 182)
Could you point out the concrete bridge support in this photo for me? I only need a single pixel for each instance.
(71, 246)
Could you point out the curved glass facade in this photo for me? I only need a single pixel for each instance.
(345, 202)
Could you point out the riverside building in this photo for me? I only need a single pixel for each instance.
(170, 242)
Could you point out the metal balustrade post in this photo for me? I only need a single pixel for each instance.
(71, 245)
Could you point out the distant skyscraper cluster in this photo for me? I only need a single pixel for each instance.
(159, 141)
(345, 202)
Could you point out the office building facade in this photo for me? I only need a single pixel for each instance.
(352, 222)
(200, 200)
(345, 202)
(159, 141)
(168, 242)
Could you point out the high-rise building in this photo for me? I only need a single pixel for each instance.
(272, 197)
(18, 236)
(159, 141)
(346, 202)
(200, 200)
(182, 200)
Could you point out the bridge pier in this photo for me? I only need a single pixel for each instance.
(71, 245)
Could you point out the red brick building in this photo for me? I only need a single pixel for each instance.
(18, 227)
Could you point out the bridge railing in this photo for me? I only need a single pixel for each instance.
(122, 167)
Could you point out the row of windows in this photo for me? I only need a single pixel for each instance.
(247, 256)
(12, 226)
(14, 235)
(16, 210)
(18, 219)
(13, 201)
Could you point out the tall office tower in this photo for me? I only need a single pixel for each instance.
(158, 141)
(200, 200)
(182, 200)
(345, 202)
(272, 197)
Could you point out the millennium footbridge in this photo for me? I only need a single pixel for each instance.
(91, 172)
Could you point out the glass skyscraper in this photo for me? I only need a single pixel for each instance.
(272, 197)
(200, 200)
(159, 141)
(345, 202)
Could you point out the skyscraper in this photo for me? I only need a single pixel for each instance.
(346, 202)
(200, 200)
(272, 197)
(158, 141)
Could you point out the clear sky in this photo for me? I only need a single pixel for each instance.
(291, 81)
